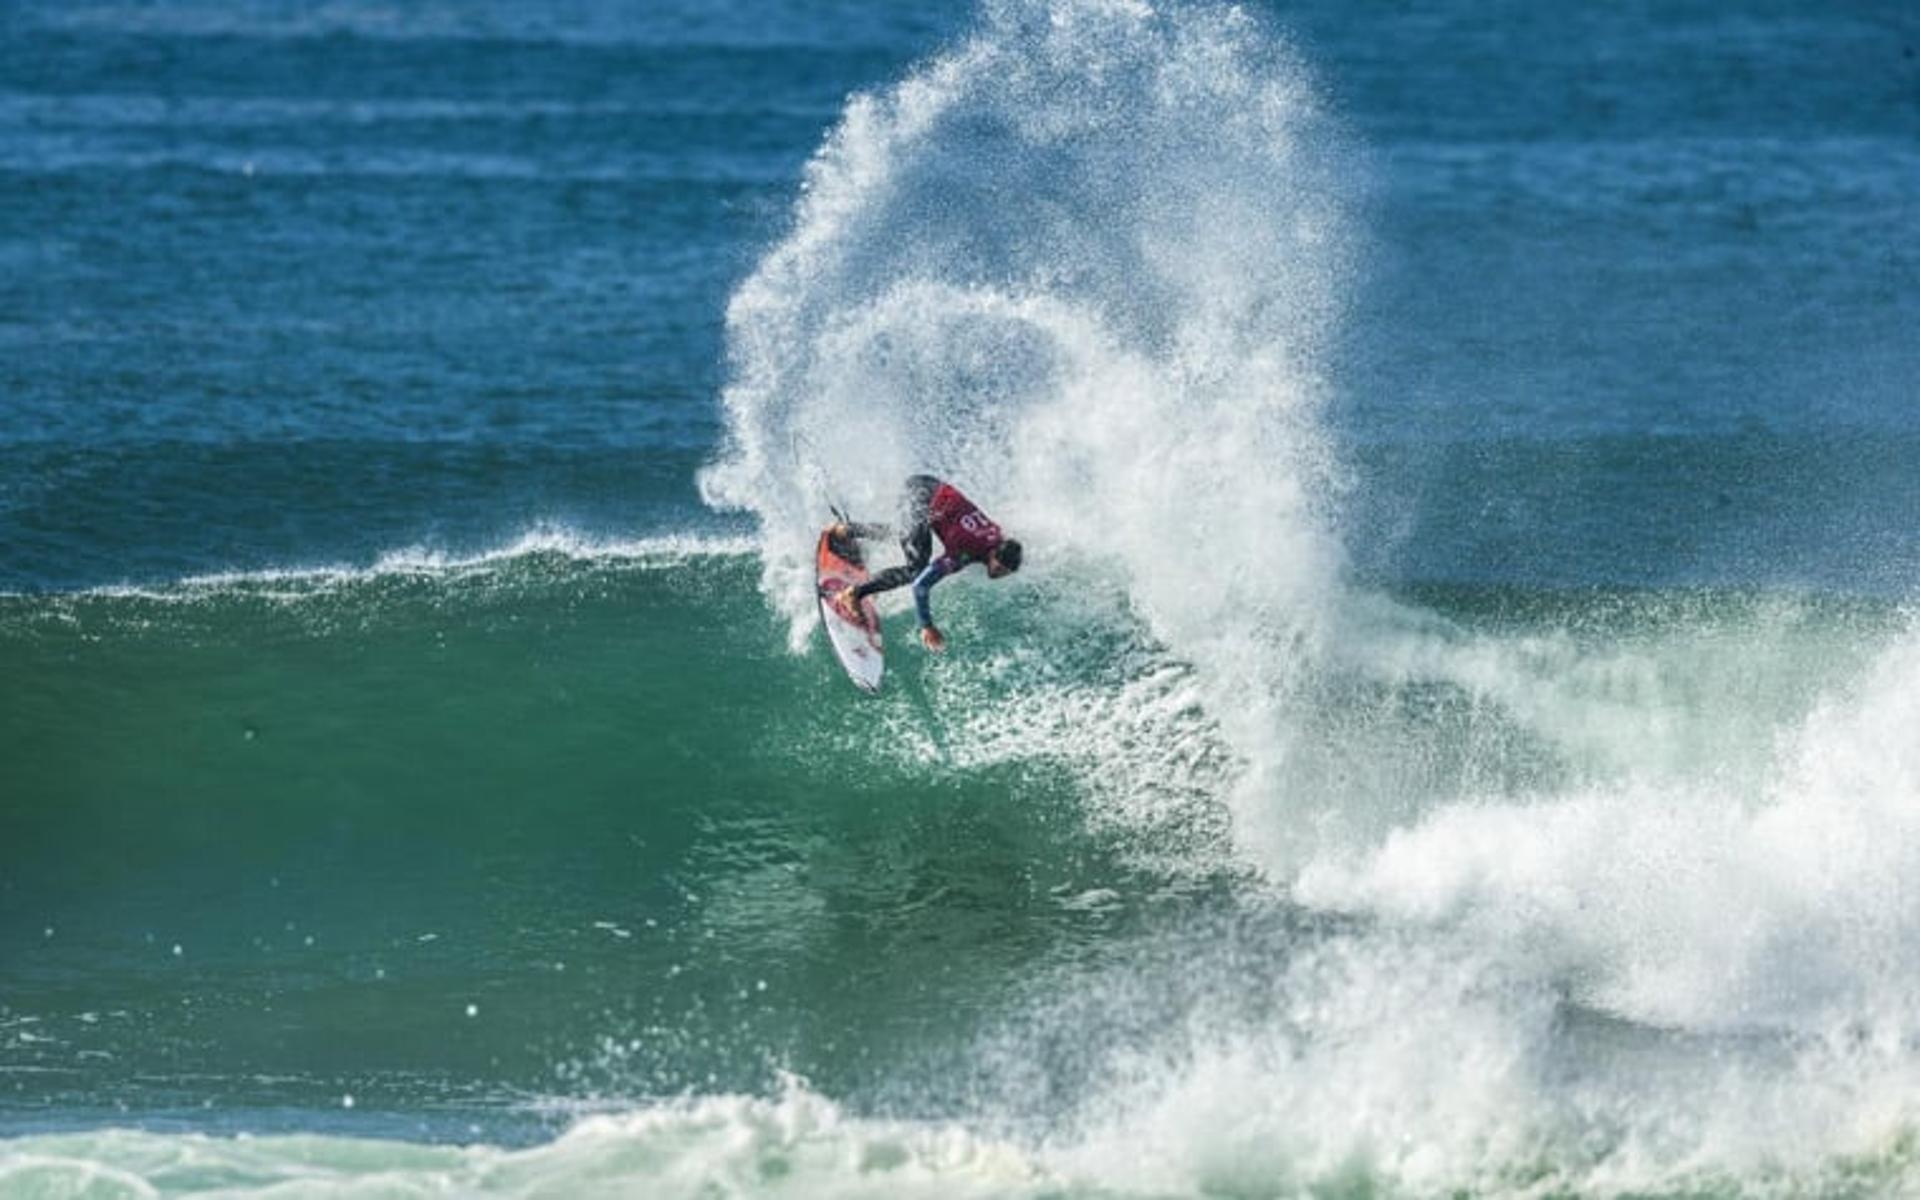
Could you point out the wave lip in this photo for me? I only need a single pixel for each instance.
(547, 541)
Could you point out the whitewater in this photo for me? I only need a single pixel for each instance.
(1219, 858)
(1702, 846)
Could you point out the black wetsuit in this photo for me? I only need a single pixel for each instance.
(916, 538)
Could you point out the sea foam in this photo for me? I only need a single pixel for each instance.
(1089, 264)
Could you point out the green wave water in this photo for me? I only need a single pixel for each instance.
(512, 807)
(440, 849)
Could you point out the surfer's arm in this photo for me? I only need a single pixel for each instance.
(864, 531)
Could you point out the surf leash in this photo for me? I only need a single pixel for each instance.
(809, 457)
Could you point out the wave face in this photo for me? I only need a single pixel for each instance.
(1605, 895)
(1333, 806)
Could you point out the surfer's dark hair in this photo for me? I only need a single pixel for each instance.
(1009, 551)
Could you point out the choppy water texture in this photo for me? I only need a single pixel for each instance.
(1454, 736)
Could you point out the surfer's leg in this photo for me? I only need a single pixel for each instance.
(918, 547)
(916, 544)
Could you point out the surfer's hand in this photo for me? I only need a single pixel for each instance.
(932, 639)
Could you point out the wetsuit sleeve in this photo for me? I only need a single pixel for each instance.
(936, 570)
(867, 531)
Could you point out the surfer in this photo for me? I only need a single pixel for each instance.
(931, 507)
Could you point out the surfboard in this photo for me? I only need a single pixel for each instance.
(837, 565)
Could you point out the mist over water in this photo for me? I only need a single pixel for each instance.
(1092, 252)
(1089, 265)
(1086, 264)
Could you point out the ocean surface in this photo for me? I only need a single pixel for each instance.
(1457, 733)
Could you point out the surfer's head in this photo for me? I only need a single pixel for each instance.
(1003, 559)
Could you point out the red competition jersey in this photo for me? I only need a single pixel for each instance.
(964, 531)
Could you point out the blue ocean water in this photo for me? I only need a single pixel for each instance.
(1454, 734)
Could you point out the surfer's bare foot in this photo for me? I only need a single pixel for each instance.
(848, 606)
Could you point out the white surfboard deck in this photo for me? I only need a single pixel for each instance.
(858, 647)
